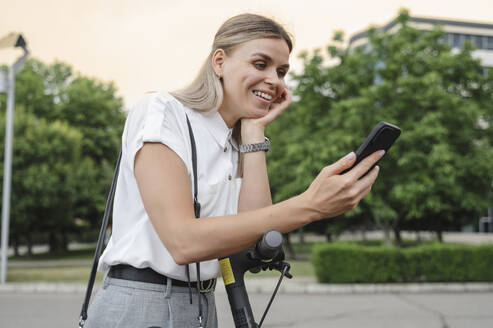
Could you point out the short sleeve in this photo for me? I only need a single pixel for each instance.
(158, 118)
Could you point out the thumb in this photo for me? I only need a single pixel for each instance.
(342, 164)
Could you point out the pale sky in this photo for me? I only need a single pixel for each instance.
(160, 44)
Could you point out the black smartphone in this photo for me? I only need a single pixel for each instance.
(381, 137)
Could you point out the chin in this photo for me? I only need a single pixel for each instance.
(257, 113)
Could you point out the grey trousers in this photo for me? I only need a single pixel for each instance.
(124, 303)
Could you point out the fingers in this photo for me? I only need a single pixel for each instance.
(334, 194)
(342, 164)
(282, 96)
(364, 185)
(281, 103)
(278, 107)
(363, 167)
(367, 181)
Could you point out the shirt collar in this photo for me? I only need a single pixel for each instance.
(218, 128)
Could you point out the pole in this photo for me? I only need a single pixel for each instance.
(7, 171)
(7, 165)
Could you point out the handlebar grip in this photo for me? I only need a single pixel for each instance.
(270, 245)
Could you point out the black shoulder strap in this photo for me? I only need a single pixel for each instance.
(196, 207)
(196, 204)
(99, 247)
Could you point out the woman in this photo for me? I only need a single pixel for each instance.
(237, 93)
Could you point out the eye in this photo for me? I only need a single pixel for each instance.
(260, 65)
(281, 73)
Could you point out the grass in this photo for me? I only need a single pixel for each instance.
(80, 254)
(66, 273)
(51, 274)
(81, 273)
(41, 272)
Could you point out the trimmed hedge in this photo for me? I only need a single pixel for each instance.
(353, 263)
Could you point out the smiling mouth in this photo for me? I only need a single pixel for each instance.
(262, 95)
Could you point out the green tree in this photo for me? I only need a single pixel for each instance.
(94, 109)
(44, 185)
(82, 120)
(39, 87)
(439, 172)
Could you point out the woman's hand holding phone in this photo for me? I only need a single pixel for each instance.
(340, 186)
(333, 193)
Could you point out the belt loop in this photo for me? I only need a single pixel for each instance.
(169, 285)
(167, 296)
(106, 279)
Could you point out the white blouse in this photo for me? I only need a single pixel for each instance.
(159, 117)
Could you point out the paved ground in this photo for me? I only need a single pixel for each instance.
(450, 310)
(302, 303)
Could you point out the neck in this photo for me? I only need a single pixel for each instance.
(229, 118)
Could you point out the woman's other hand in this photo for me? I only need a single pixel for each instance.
(252, 129)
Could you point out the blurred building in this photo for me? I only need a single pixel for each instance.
(456, 33)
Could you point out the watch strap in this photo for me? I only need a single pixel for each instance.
(249, 148)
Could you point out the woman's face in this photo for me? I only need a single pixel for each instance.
(253, 78)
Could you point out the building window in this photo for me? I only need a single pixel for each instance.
(478, 41)
(489, 44)
(475, 40)
(456, 43)
(457, 40)
(445, 38)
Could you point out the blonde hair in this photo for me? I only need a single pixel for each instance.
(205, 93)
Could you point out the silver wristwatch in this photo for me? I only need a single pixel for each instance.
(249, 148)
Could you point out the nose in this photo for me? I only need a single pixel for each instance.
(273, 80)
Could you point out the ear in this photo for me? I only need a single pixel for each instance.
(218, 60)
